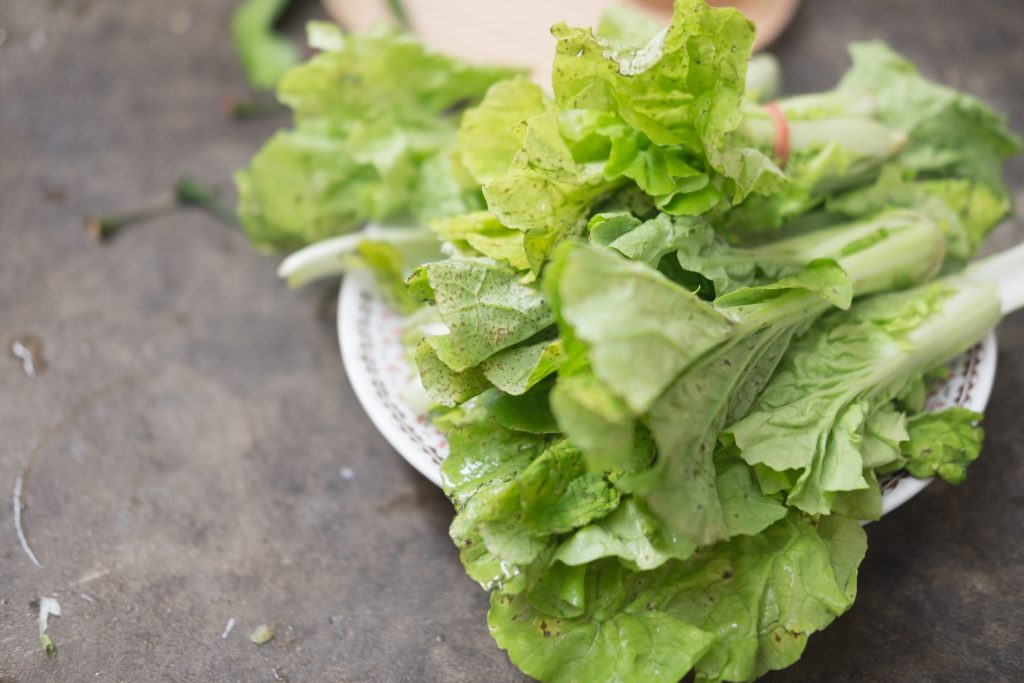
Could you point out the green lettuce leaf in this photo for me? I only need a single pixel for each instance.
(484, 458)
(528, 412)
(508, 528)
(884, 430)
(444, 385)
(546, 193)
(943, 444)
(948, 132)
(624, 26)
(482, 234)
(732, 612)
(624, 311)
(682, 88)
(813, 415)
(967, 210)
(632, 533)
(518, 369)
(485, 308)
(374, 114)
(492, 133)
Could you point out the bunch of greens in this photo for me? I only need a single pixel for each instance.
(675, 337)
(375, 117)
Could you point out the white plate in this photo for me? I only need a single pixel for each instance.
(370, 336)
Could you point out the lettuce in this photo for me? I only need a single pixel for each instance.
(943, 444)
(674, 354)
(949, 133)
(811, 419)
(882, 113)
(683, 89)
(619, 310)
(375, 114)
(732, 613)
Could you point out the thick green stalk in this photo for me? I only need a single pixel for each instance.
(686, 419)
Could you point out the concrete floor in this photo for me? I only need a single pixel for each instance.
(187, 434)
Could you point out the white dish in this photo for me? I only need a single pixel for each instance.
(370, 337)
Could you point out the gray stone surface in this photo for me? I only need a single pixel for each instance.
(187, 436)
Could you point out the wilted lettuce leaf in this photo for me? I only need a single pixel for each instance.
(943, 443)
(484, 457)
(507, 527)
(373, 112)
(732, 612)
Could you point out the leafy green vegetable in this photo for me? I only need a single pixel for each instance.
(943, 444)
(624, 311)
(486, 310)
(732, 613)
(444, 385)
(675, 338)
(683, 88)
(882, 112)
(623, 26)
(812, 415)
(482, 234)
(390, 253)
(966, 210)
(375, 112)
(519, 368)
(717, 360)
(948, 132)
(265, 56)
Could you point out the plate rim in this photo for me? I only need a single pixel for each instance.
(359, 286)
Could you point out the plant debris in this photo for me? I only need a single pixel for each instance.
(18, 484)
(262, 634)
(187, 193)
(47, 607)
(227, 629)
(28, 348)
(256, 107)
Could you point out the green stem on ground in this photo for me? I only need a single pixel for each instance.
(187, 193)
(252, 108)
